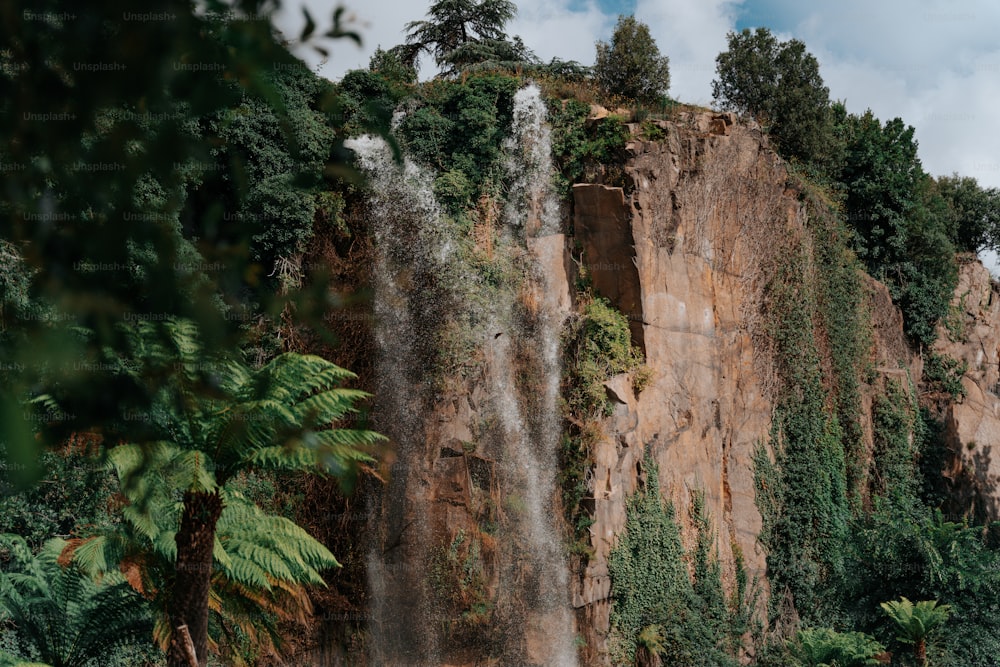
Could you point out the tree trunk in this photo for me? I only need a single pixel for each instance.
(192, 577)
(920, 652)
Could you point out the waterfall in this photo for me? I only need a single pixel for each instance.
(531, 204)
(413, 262)
(533, 210)
(423, 278)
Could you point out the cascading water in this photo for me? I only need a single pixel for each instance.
(422, 281)
(413, 266)
(532, 212)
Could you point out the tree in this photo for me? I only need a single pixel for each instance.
(779, 84)
(101, 139)
(974, 212)
(900, 224)
(916, 622)
(631, 65)
(261, 563)
(59, 613)
(457, 25)
(223, 417)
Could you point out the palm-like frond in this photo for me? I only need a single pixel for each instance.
(262, 559)
(64, 615)
(819, 647)
(915, 622)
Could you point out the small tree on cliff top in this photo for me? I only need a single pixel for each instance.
(778, 83)
(631, 65)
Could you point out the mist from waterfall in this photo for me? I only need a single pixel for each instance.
(421, 280)
(413, 247)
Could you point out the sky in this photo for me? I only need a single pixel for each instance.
(933, 63)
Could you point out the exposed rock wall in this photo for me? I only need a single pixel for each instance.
(971, 334)
(685, 251)
(680, 254)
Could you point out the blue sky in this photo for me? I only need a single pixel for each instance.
(934, 63)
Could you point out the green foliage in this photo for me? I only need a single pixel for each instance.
(841, 315)
(458, 129)
(278, 417)
(280, 150)
(261, 561)
(916, 622)
(824, 647)
(579, 146)
(894, 415)
(72, 492)
(368, 100)
(901, 227)
(631, 65)
(459, 581)
(462, 32)
(944, 374)
(140, 190)
(574, 463)
(390, 67)
(655, 603)
(974, 212)
(599, 347)
(59, 615)
(802, 494)
(274, 417)
(779, 83)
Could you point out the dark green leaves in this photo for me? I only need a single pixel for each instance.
(778, 83)
(631, 65)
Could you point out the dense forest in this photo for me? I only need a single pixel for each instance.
(187, 350)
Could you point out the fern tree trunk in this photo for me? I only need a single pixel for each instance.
(192, 578)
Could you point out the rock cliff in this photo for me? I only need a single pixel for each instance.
(685, 249)
(971, 334)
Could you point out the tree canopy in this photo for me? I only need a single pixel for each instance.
(973, 211)
(461, 32)
(778, 83)
(631, 65)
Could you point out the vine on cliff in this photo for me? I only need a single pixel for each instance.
(598, 346)
(657, 608)
(802, 493)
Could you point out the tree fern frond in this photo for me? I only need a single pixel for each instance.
(328, 406)
(282, 458)
(67, 618)
(246, 571)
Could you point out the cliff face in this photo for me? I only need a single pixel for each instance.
(679, 256)
(971, 334)
(686, 251)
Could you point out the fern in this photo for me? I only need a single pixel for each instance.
(261, 561)
(213, 417)
(61, 615)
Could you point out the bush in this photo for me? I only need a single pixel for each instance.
(819, 647)
(600, 347)
(656, 606)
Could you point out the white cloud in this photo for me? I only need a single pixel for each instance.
(692, 34)
(379, 22)
(932, 62)
(552, 30)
